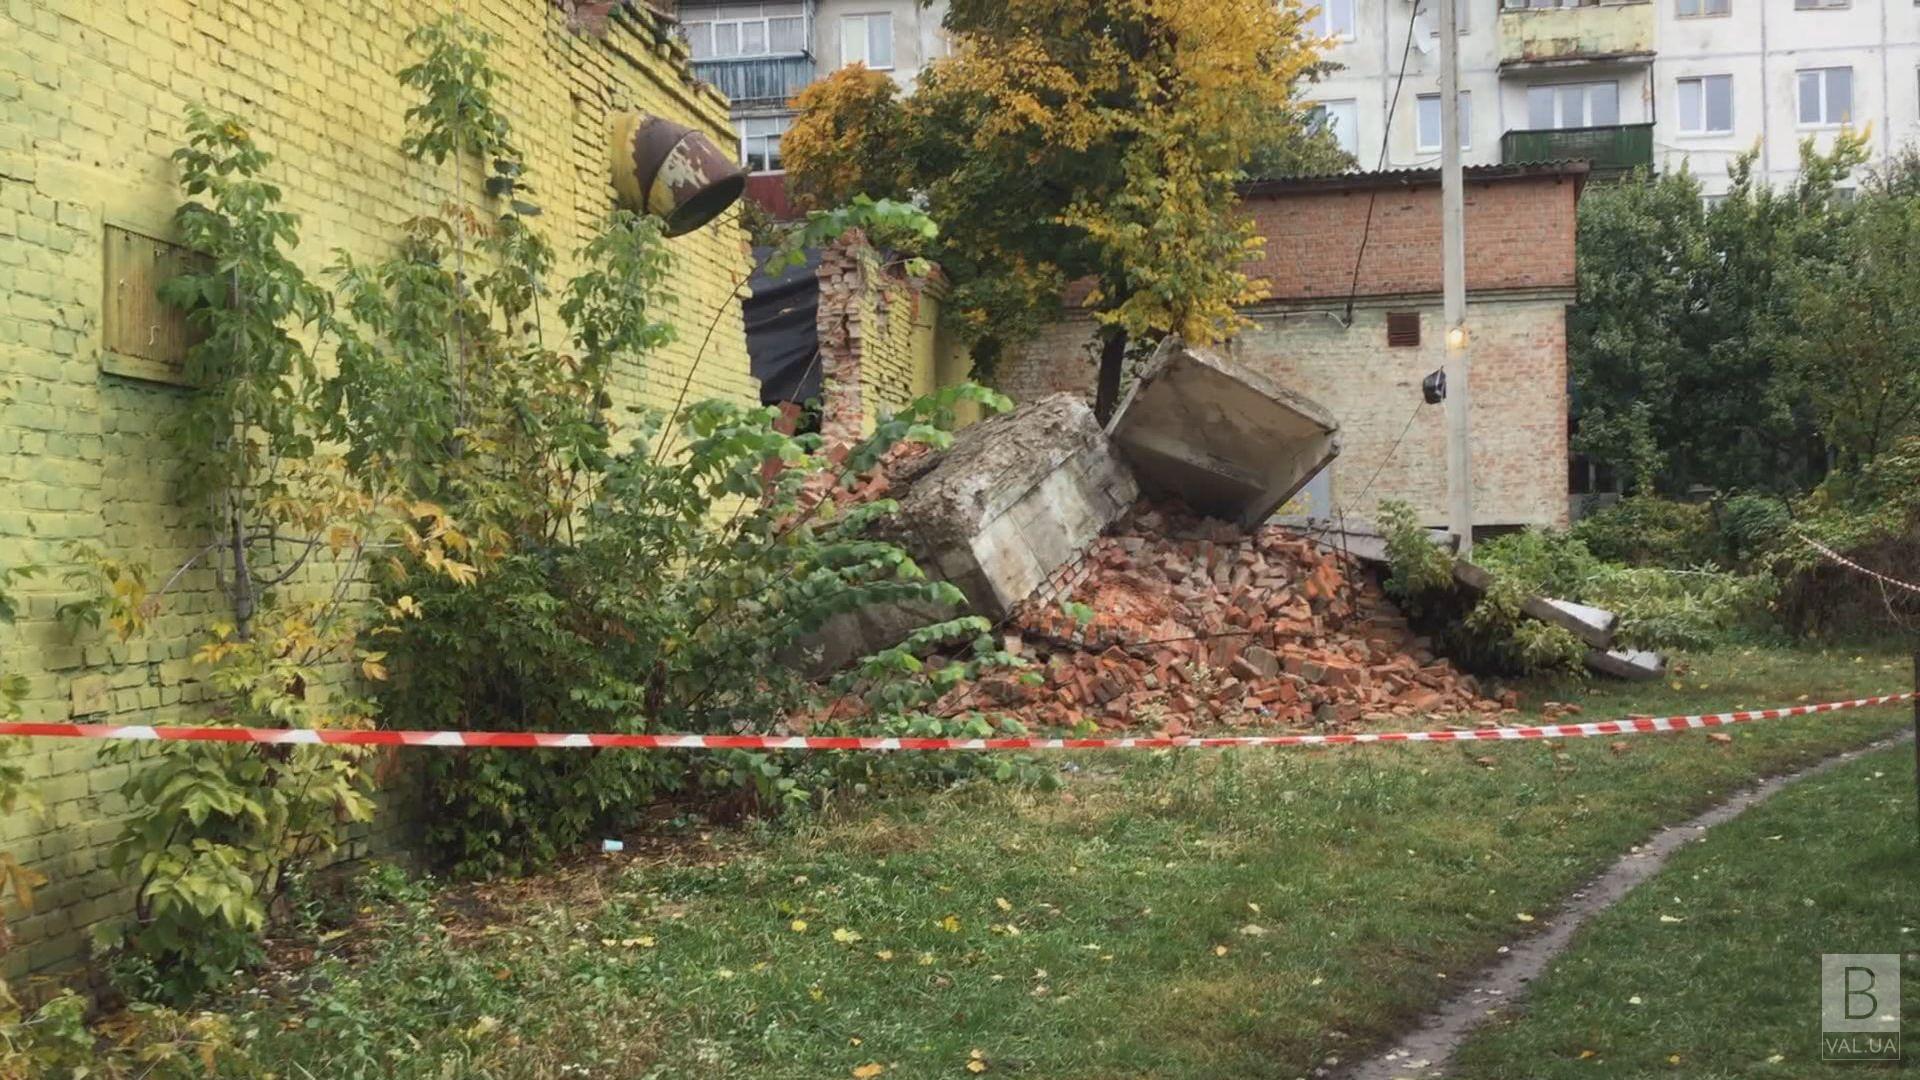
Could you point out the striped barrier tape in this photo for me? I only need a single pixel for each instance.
(1842, 560)
(529, 740)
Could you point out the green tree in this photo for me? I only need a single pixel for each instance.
(1853, 346)
(1677, 341)
(1076, 140)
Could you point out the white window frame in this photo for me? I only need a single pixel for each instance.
(770, 153)
(865, 21)
(1345, 114)
(737, 27)
(1323, 24)
(1420, 142)
(1825, 75)
(1703, 9)
(1705, 110)
(1586, 104)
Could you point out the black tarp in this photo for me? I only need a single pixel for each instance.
(783, 340)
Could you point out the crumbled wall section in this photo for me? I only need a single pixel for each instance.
(1520, 278)
(95, 107)
(880, 344)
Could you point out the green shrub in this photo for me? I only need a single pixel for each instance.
(1646, 530)
(1752, 525)
(1482, 632)
(1695, 609)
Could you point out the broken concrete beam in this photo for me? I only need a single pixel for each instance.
(1637, 664)
(1224, 439)
(1359, 539)
(1014, 499)
(1591, 625)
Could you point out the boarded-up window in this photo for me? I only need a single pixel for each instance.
(1403, 329)
(142, 336)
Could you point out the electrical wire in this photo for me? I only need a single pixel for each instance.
(1386, 132)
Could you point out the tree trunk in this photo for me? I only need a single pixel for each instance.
(1113, 355)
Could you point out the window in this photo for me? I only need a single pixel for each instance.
(1429, 121)
(762, 35)
(867, 39)
(760, 141)
(1706, 105)
(1695, 9)
(1826, 96)
(1342, 118)
(1573, 105)
(1816, 5)
(1334, 20)
(1403, 329)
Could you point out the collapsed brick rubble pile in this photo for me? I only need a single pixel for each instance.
(1198, 624)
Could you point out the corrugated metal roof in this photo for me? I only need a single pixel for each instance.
(1388, 178)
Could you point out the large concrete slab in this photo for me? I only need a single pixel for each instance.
(1015, 498)
(1223, 438)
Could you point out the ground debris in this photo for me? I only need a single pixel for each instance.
(1198, 624)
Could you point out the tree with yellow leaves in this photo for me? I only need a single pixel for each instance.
(1069, 140)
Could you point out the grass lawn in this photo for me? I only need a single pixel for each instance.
(1733, 990)
(1192, 914)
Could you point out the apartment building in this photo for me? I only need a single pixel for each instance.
(761, 54)
(1622, 84)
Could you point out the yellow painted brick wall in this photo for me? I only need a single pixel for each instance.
(899, 341)
(93, 106)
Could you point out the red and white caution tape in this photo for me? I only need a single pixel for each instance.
(1842, 560)
(531, 740)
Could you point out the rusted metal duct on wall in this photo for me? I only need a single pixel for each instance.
(672, 172)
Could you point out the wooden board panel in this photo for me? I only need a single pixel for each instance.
(142, 336)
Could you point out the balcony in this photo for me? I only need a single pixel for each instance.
(760, 80)
(1536, 35)
(1609, 150)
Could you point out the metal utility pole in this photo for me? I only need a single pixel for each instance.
(1453, 255)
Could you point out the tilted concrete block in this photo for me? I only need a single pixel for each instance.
(1223, 438)
(1015, 498)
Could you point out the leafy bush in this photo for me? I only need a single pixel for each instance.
(656, 577)
(1646, 530)
(1483, 632)
(285, 527)
(1752, 525)
(1696, 609)
(1873, 517)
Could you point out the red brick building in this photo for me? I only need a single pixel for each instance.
(1360, 342)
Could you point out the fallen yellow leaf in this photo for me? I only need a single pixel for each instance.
(798, 926)
(1003, 903)
(1524, 917)
(1585, 1054)
(845, 936)
(951, 924)
(1219, 950)
(868, 1071)
(884, 955)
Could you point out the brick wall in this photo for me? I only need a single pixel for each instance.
(880, 342)
(1520, 277)
(1518, 425)
(1519, 236)
(94, 107)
